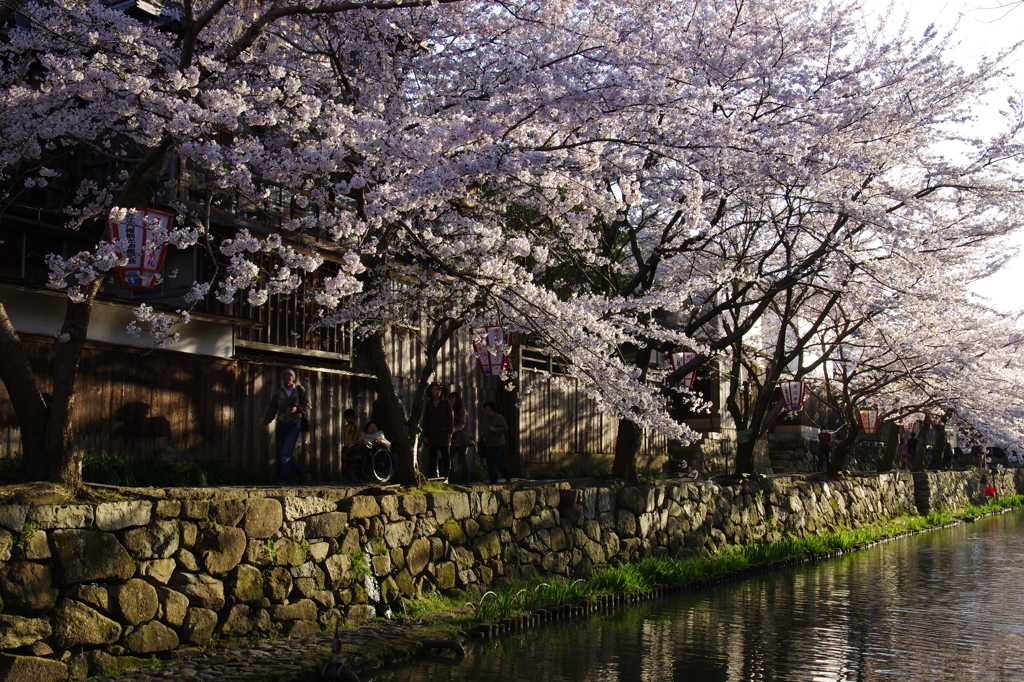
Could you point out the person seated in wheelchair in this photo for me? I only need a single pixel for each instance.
(370, 439)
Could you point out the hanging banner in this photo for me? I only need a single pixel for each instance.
(134, 229)
(490, 345)
(793, 395)
(869, 420)
(679, 360)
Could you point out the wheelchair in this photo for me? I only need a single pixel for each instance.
(376, 465)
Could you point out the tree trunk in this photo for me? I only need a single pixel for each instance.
(762, 416)
(628, 440)
(745, 455)
(940, 444)
(47, 432)
(629, 435)
(403, 441)
(513, 415)
(892, 448)
(841, 452)
(917, 457)
(30, 407)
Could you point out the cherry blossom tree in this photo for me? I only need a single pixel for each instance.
(771, 152)
(379, 118)
(939, 359)
(244, 92)
(608, 178)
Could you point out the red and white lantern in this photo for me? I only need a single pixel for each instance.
(491, 346)
(793, 394)
(136, 230)
(679, 360)
(869, 420)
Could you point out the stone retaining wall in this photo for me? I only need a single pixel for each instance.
(82, 585)
(944, 490)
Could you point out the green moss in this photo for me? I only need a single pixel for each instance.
(360, 567)
(24, 536)
(428, 488)
(123, 663)
(271, 549)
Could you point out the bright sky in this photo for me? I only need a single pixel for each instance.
(984, 27)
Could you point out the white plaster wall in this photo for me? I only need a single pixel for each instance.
(43, 312)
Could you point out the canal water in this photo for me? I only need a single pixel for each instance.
(942, 606)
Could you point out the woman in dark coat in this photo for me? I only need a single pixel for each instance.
(438, 426)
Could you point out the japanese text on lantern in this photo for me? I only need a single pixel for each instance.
(141, 236)
(490, 345)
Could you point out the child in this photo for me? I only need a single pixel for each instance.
(351, 430)
(990, 491)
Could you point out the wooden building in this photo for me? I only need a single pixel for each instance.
(203, 398)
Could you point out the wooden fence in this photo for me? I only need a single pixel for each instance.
(562, 427)
(194, 408)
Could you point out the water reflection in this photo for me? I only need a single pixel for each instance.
(938, 607)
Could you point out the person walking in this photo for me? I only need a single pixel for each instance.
(287, 407)
(460, 442)
(438, 426)
(493, 428)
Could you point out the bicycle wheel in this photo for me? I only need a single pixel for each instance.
(383, 468)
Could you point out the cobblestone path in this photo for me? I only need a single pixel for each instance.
(287, 660)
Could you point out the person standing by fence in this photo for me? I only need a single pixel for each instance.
(287, 407)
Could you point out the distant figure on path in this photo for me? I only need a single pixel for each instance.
(903, 454)
(824, 449)
(947, 456)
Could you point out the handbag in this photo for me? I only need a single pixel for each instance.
(303, 420)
